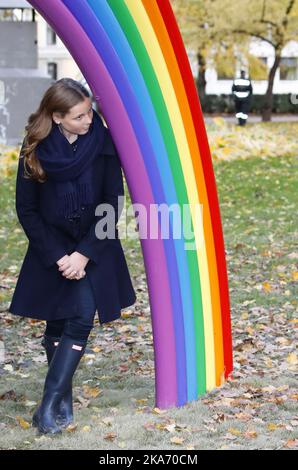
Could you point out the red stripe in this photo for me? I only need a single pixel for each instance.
(197, 115)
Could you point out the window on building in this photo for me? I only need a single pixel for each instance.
(288, 68)
(52, 70)
(51, 36)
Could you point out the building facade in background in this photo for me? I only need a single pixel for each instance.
(32, 56)
(286, 79)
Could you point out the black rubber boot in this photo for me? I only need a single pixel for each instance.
(58, 380)
(65, 408)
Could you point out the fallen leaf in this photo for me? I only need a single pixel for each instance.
(292, 443)
(158, 411)
(266, 286)
(292, 359)
(110, 436)
(86, 429)
(71, 427)
(177, 440)
(24, 424)
(251, 434)
(235, 432)
(108, 421)
(91, 392)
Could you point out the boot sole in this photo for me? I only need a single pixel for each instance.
(48, 431)
(62, 424)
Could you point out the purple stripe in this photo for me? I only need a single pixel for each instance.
(92, 67)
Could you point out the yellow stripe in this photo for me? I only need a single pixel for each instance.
(144, 26)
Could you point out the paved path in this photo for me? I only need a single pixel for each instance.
(254, 117)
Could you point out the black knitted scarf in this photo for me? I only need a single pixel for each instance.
(72, 171)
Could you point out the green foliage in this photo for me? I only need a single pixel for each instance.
(257, 69)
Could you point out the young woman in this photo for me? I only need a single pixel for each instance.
(68, 166)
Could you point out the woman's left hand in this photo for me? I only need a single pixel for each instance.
(74, 266)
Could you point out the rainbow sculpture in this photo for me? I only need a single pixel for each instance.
(132, 55)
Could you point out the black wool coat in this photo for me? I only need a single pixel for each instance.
(41, 291)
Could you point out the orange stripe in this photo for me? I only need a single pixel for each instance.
(169, 56)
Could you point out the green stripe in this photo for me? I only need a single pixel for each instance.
(138, 48)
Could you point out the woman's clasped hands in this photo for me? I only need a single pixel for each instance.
(73, 266)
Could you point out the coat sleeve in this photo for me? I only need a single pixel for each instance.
(90, 245)
(39, 234)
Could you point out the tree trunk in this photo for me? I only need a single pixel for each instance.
(201, 80)
(267, 111)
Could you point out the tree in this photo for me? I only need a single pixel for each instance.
(275, 22)
(198, 23)
(222, 30)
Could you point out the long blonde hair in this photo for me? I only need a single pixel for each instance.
(60, 97)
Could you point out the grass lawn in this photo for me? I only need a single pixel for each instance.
(114, 385)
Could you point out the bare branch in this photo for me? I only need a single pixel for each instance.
(269, 22)
(288, 12)
(256, 35)
(263, 10)
(290, 7)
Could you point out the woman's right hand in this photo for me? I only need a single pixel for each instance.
(65, 264)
